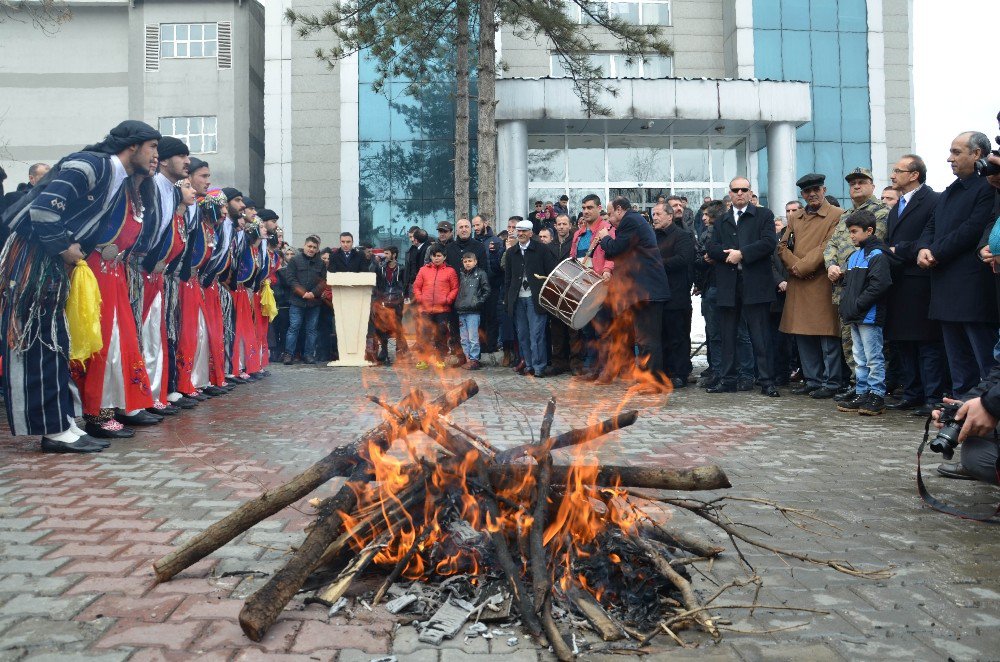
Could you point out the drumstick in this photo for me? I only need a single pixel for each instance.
(540, 276)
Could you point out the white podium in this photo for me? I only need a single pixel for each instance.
(352, 300)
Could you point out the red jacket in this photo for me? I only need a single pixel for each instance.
(435, 288)
(600, 262)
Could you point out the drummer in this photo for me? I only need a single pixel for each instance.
(592, 335)
(641, 281)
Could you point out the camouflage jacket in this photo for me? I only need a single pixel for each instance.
(839, 248)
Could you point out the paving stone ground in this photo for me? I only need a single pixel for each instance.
(78, 534)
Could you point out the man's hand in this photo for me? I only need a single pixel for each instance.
(794, 270)
(707, 259)
(926, 259)
(783, 286)
(733, 256)
(72, 255)
(985, 255)
(511, 241)
(994, 180)
(978, 421)
(834, 273)
(603, 233)
(308, 295)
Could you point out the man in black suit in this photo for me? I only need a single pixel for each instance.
(639, 282)
(914, 337)
(742, 243)
(677, 252)
(962, 289)
(348, 259)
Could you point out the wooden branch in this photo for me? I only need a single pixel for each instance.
(663, 567)
(677, 538)
(262, 608)
(339, 461)
(562, 651)
(571, 438)
(592, 610)
(709, 477)
(401, 565)
(335, 590)
(540, 574)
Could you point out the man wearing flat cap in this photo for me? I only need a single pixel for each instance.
(90, 207)
(527, 263)
(809, 312)
(839, 248)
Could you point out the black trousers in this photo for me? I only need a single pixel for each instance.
(676, 342)
(647, 322)
(758, 319)
(923, 369)
(489, 321)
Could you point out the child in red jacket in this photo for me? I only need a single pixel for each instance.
(435, 291)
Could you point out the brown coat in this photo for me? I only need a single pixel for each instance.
(809, 309)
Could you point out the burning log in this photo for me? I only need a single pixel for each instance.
(592, 610)
(338, 461)
(335, 590)
(542, 579)
(571, 438)
(709, 477)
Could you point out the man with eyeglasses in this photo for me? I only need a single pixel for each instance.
(809, 312)
(861, 185)
(915, 337)
(742, 244)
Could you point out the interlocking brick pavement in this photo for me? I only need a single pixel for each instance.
(78, 534)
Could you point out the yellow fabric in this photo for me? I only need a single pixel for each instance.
(83, 314)
(267, 303)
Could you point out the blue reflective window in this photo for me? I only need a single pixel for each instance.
(795, 55)
(805, 159)
(794, 15)
(375, 163)
(437, 101)
(853, 15)
(367, 71)
(854, 59)
(823, 15)
(826, 59)
(858, 155)
(406, 113)
(804, 132)
(826, 113)
(855, 115)
(830, 162)
(373, 122)
(766, 14)
(767, 54)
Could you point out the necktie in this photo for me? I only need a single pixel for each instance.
(738, 214)
(902, 206)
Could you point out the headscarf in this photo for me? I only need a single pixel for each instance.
(170, 146)
(126, 134)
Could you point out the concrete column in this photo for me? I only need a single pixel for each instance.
(781, 174)
(512, 171)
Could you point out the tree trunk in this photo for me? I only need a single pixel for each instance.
(462, 112)
(708, 477)
(487, 69)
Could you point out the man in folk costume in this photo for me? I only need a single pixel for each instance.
(174, 194)
(272, 254)
(244, 281)
(89, 197)
(227, 277)
(218, 302)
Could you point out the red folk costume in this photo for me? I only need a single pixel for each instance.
(116, 376)
(246, 350)
(193, 354)
(154, 313)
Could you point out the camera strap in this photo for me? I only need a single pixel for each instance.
(941, 506)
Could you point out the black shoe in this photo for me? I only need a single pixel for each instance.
(851, 405)
(186, 403)
(103, 443)
(307, 360)
(874, 405)
(903, 405)
(677, 383)
(287, 359)
(264, 373)
(142, 417)
(845, 394)
(721, 387)
(707, 380)
(95, 430)
(744, 385)
(236, 379)
(805, 389)
(770, 391)
(952, 470)
(81, 445)
(923, 411)
(822, 393)
(197, 396)
(550, 372)
(214, 391)
(169, 410)
(520, 368)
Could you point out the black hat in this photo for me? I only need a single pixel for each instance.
(232, 193)
(810, 180)
(170, 146)
(444, 225)
(249, 203)
(196, 164)
(266, 215)
(126, 134)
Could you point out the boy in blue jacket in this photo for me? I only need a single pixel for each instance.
(862, 307)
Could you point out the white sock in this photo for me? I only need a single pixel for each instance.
(174, 397)
(67, 436)
(133, 412)
(74, 428)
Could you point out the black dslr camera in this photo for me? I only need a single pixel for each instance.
(947, 437)
(986, 169)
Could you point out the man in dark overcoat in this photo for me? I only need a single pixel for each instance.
(676, 247)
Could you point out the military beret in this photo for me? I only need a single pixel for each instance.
(859, 172)
(810, 180)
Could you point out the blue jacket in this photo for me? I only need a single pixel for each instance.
(637, 259)
(866, 284)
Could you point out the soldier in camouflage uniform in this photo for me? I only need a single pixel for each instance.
(839, 248)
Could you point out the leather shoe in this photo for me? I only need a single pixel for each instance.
(805, 389)
(721, 388)
(95, 430)
(677, 383)
(744, 385)
(168, 410)
(903, 405)
(79, 446)
(103, 443)
(186, 403)
(770, 391)
(520, 368)
(214, 391)
(236, 379)
(142, 417)
(197, 396)
(924, 411)
(954, 470)
(822, 393)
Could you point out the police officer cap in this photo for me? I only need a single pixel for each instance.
(859, 172)
(810, 180)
